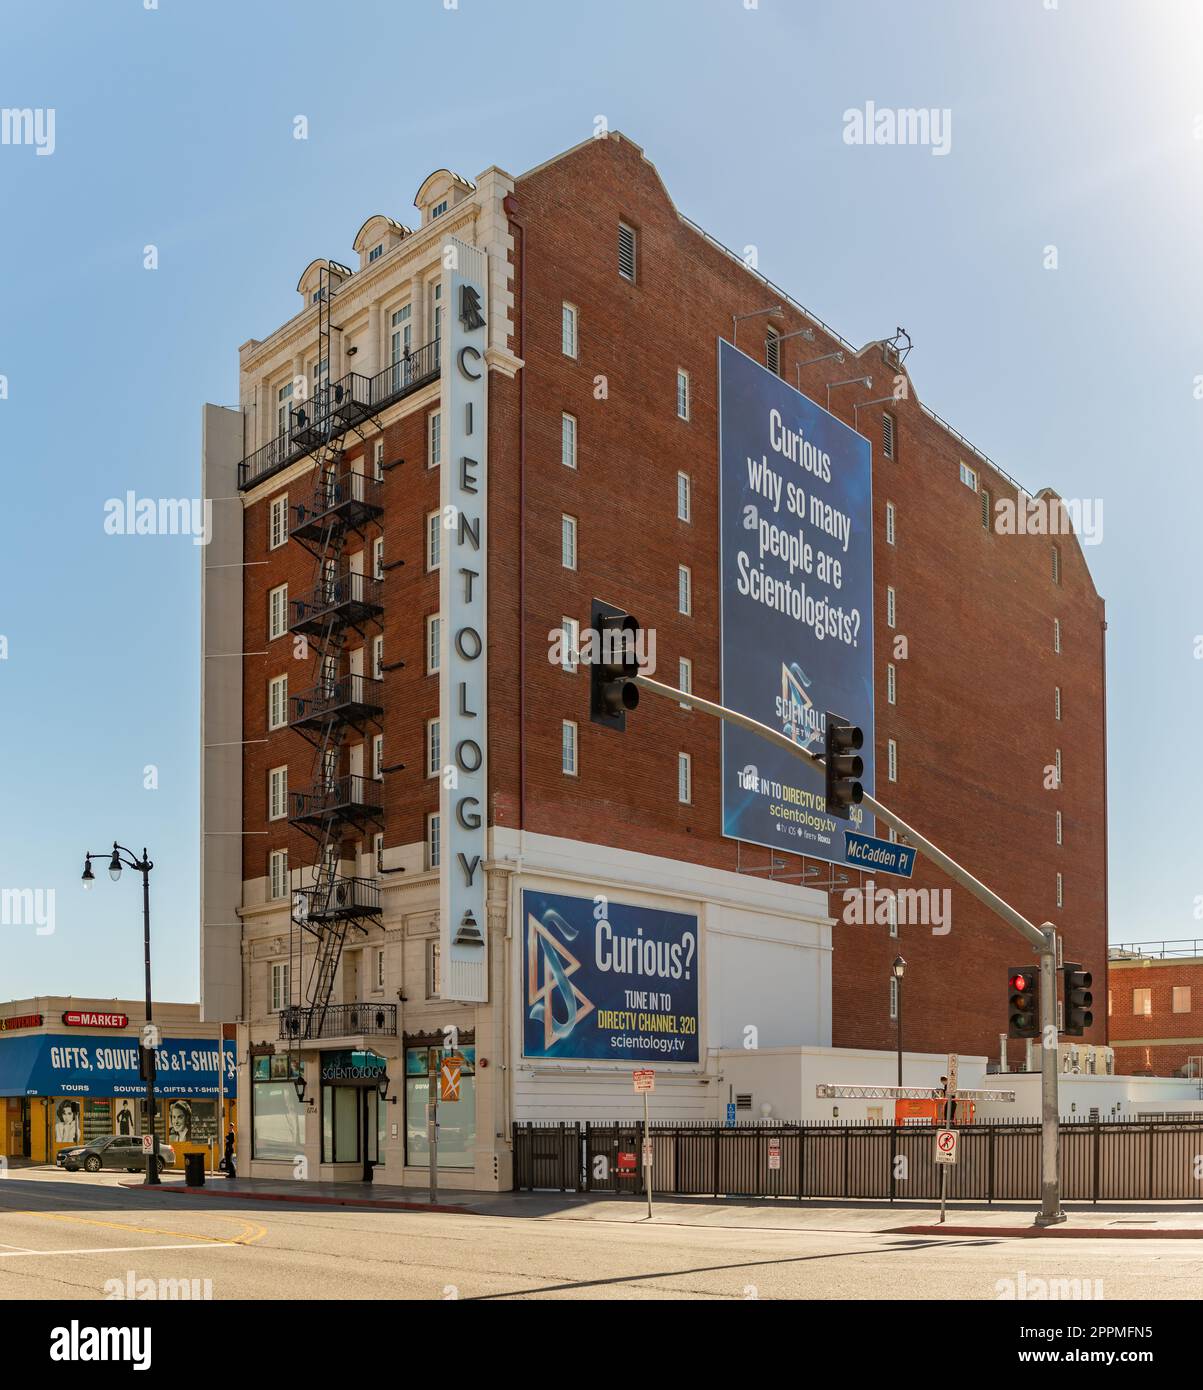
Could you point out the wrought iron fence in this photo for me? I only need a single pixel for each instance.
(1101, 1160)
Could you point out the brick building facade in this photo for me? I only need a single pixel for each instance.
(997, 679)
(1155, 1011)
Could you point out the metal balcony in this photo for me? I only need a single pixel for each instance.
(345, 499)
(347, 600)
(338, 407)
(363, 1020)
(340, 899)
(353, 700)
(352, 798)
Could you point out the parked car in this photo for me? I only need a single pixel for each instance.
(113, 1151)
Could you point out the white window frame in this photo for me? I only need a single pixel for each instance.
(375, 253)
(434, 748)
(434, 540)
(1060, 890)
(278, 987)
(378, 658)
(569, 330)
(568, 439)
(685, 677)
(684, 497)
(434, 837)
(379, 975)
(277, 793)
(683, 402)
(1057, 763)
(1060, 829)
(890, 523)
(891, 606)
(277, 531)
(684, 779)
(434, 439)
(377, 757)
(969, 476)
(378, 557)
(570, 762)
(1056, 564)
(685, 590)
(378, 460)
(891, 684)
(568, 541)
(433, 643)
(570, 644)
(277, 875)
(277, 702)
(1056, 702)
(892, 913)
(1057, 635)
(277, 612)
(891, 760)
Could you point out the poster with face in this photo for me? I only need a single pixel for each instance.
(126, 1122)
(66, 1122)
(180, 1121)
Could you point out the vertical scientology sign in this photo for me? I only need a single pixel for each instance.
(463, 822)
(797, 602)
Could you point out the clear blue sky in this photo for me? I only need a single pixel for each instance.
(1073, 126)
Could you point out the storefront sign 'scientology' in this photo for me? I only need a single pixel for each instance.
(81, 1018)
(463, 820)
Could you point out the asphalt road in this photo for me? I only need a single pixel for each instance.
(65, 1236)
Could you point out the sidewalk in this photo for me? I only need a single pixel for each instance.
(1162, 1221)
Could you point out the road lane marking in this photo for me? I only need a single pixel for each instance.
(250, 1233)
(115, 1249)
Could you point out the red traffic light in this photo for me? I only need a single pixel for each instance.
(1020, 983)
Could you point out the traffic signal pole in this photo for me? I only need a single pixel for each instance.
(1042, 939)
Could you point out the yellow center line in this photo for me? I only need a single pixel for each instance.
(250, 1232)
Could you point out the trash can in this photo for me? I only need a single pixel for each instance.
(194, 1170)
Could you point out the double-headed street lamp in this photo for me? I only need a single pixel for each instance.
(149, 1033)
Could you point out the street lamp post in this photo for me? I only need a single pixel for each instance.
(144, 866)
(899, 970)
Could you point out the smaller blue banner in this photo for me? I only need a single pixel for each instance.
(884, 856)
(730, 1114)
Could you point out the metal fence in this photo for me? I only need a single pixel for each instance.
(1100, 1160)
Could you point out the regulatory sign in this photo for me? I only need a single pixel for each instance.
(647, 1153)
(951, 1072)
(882, 856)
(946, 1145)
(644, 1078)
(148, 1143)
(774, 1153)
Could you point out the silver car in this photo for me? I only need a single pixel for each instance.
(113, 1151)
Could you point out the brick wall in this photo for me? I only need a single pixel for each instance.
(1143, 1042)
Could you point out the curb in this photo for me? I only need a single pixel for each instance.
(1061, 1232)
(313, 1200)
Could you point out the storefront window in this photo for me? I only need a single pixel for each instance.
(277, 1116)
(98, 1119)
(456, 1119)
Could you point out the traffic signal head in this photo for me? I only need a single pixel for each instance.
(842, 766)
(1077, 999)
(614, 666)
(1023, 993)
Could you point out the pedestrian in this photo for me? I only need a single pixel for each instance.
(228, 1161)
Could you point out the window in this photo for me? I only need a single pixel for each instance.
(1142, 1002)
(379, 977)
(568, 748)
(375, 253)
(277, 793)
(378, 558)
(377, 658)
(1057, 759)
(891, 607)
(277, 874)
(891, 685)
(684, 500)
(892, 749)
(378, 460)
(1060, 891)
(568, 542)
(772, 351)
(438, 210)
(434, 751)
(682, 394)
(684, 590)
(1056, 564)
(434, 533)
(568, 440)
(433, 981)
(1181, 999)
(277, 702)
(433, 840)
(1059, 829)
(626, 252)
(570, 643)
(568, 330)
(284, 409)
(436, 309)
(1056, 702)
(684, 779)
(893, 996)
(887, 434)
(892, 913)
(434, 439)
(889, 523)
(434, 627)
(278, 527)
(985, 510)
(969, 477)
(1056, 634)
(280, 995)
(685, 677)
(377, 756)
(277, 611)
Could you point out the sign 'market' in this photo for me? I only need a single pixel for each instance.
(463, 819)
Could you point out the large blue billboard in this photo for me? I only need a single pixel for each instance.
(602, 979)
(48, 1064)
(795, 527)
